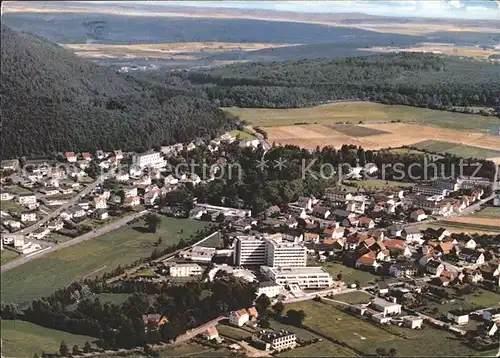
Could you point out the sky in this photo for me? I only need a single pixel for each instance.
(465, 9)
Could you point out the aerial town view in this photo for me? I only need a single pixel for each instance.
(250, 178)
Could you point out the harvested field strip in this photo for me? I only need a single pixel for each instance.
(356, 131)
(459, 150)
(468, 226)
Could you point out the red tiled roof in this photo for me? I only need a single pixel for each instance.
(367, 259)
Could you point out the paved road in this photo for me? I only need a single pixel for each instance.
(90, 235)
(195, 331)
(63, 207)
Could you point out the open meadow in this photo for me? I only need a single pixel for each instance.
(350, 275)
(91, 258)
(24, 339)
(487, 219)
(366, 337)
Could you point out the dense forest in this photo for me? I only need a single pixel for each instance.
(414, 79)
(53, 101)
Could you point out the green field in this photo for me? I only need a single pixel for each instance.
(214, 241)
(192, 349)
(7, 255)
(406, 151)
(23, 339)
(367, 337)
(349, 274)
(12, 206)
(459, 150)
(458, 228)
(489, 213)
(473, 301)
(320, 349)
(366, 112)
(242, 134)
(235, 333)
(372, 184)
(90, 258)
(353, 297)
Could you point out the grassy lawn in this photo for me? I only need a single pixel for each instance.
(143, 272)
(23, 339)
(233, 332)
(489, 213)
(353, 297)
(302, 334)
(7, 255)
(214, 241)
(354, 112)
(192, 349)
(320, 349)
(349, 274)
(17, 190)
(367, 337)
(406, 151)
(54, 236)
(456, 149)
(90, 258)
(374, 184)
(12, 206)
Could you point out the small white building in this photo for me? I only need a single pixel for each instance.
(28, 216)
(458, 317)
(100, 202)
(268, 288)
(413, 322)
(239, 318)
(386, 307)
(275, 341)
(25, 199)
(4, 196)
(184, 270)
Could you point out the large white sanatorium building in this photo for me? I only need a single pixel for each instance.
(251, 250)
(149, 159)
(305, 277)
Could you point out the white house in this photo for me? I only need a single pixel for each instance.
(25, 199)
(71, 157)
(130, 191)
(268, 288)
(28, 216)
(131, 201)
(239, 318)
(184, 270)
(386, 307)
(4, 196)
(458, 317)
(418, 215)
(100, 202)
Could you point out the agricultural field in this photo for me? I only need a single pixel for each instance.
(349, 274)
(458, 228)
(492, 212)
(462, 51)
(355, 130)
(116, 298)
(366, 337)
(458, 150)
(90, 258)
(191, 349)
(487, 219)
(24, 339)
(365, 112)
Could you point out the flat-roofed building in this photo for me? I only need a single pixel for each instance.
(304, 277)
(275, 341)
(149, 159)
(285, 254)
(184, 270)
(249, 250)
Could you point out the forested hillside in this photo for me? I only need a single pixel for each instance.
(53, 101)
(414, 79)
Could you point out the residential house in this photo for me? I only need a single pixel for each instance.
(387, 308)
(412, 234)
(170, 180)
(356, 206)
(297, 212)
(100, 202)
(55, 225)
(25, 199)
(366, 222)
(403, 268)
(273, 211)
(274, 341)
(492, 315)
(350, 221)
(333, 233)
(100, 214)
(436, 234)
(335, 194)
(28, 216)
(151, 196)
(311, 237)
(66, 190)
(472, 256)
(470, 244)
(444, 248)
(458, 317)
(49, 191)
(396, 230)
(211, 333)
(71, 157)
(153, 322)
(471, 275)
(4, 196)
(131, 201)
(118, 154)
(305, 203)
(434, 267)
(87, 156)
(418, 215)
(368, 261)
(321, 212)
(239, 317)
(413, 322)
(122, 177)
(130, 191)
(39, 233)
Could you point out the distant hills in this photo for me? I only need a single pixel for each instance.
(52, 101)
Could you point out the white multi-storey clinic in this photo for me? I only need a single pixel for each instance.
(251, 250)
(149, 159)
